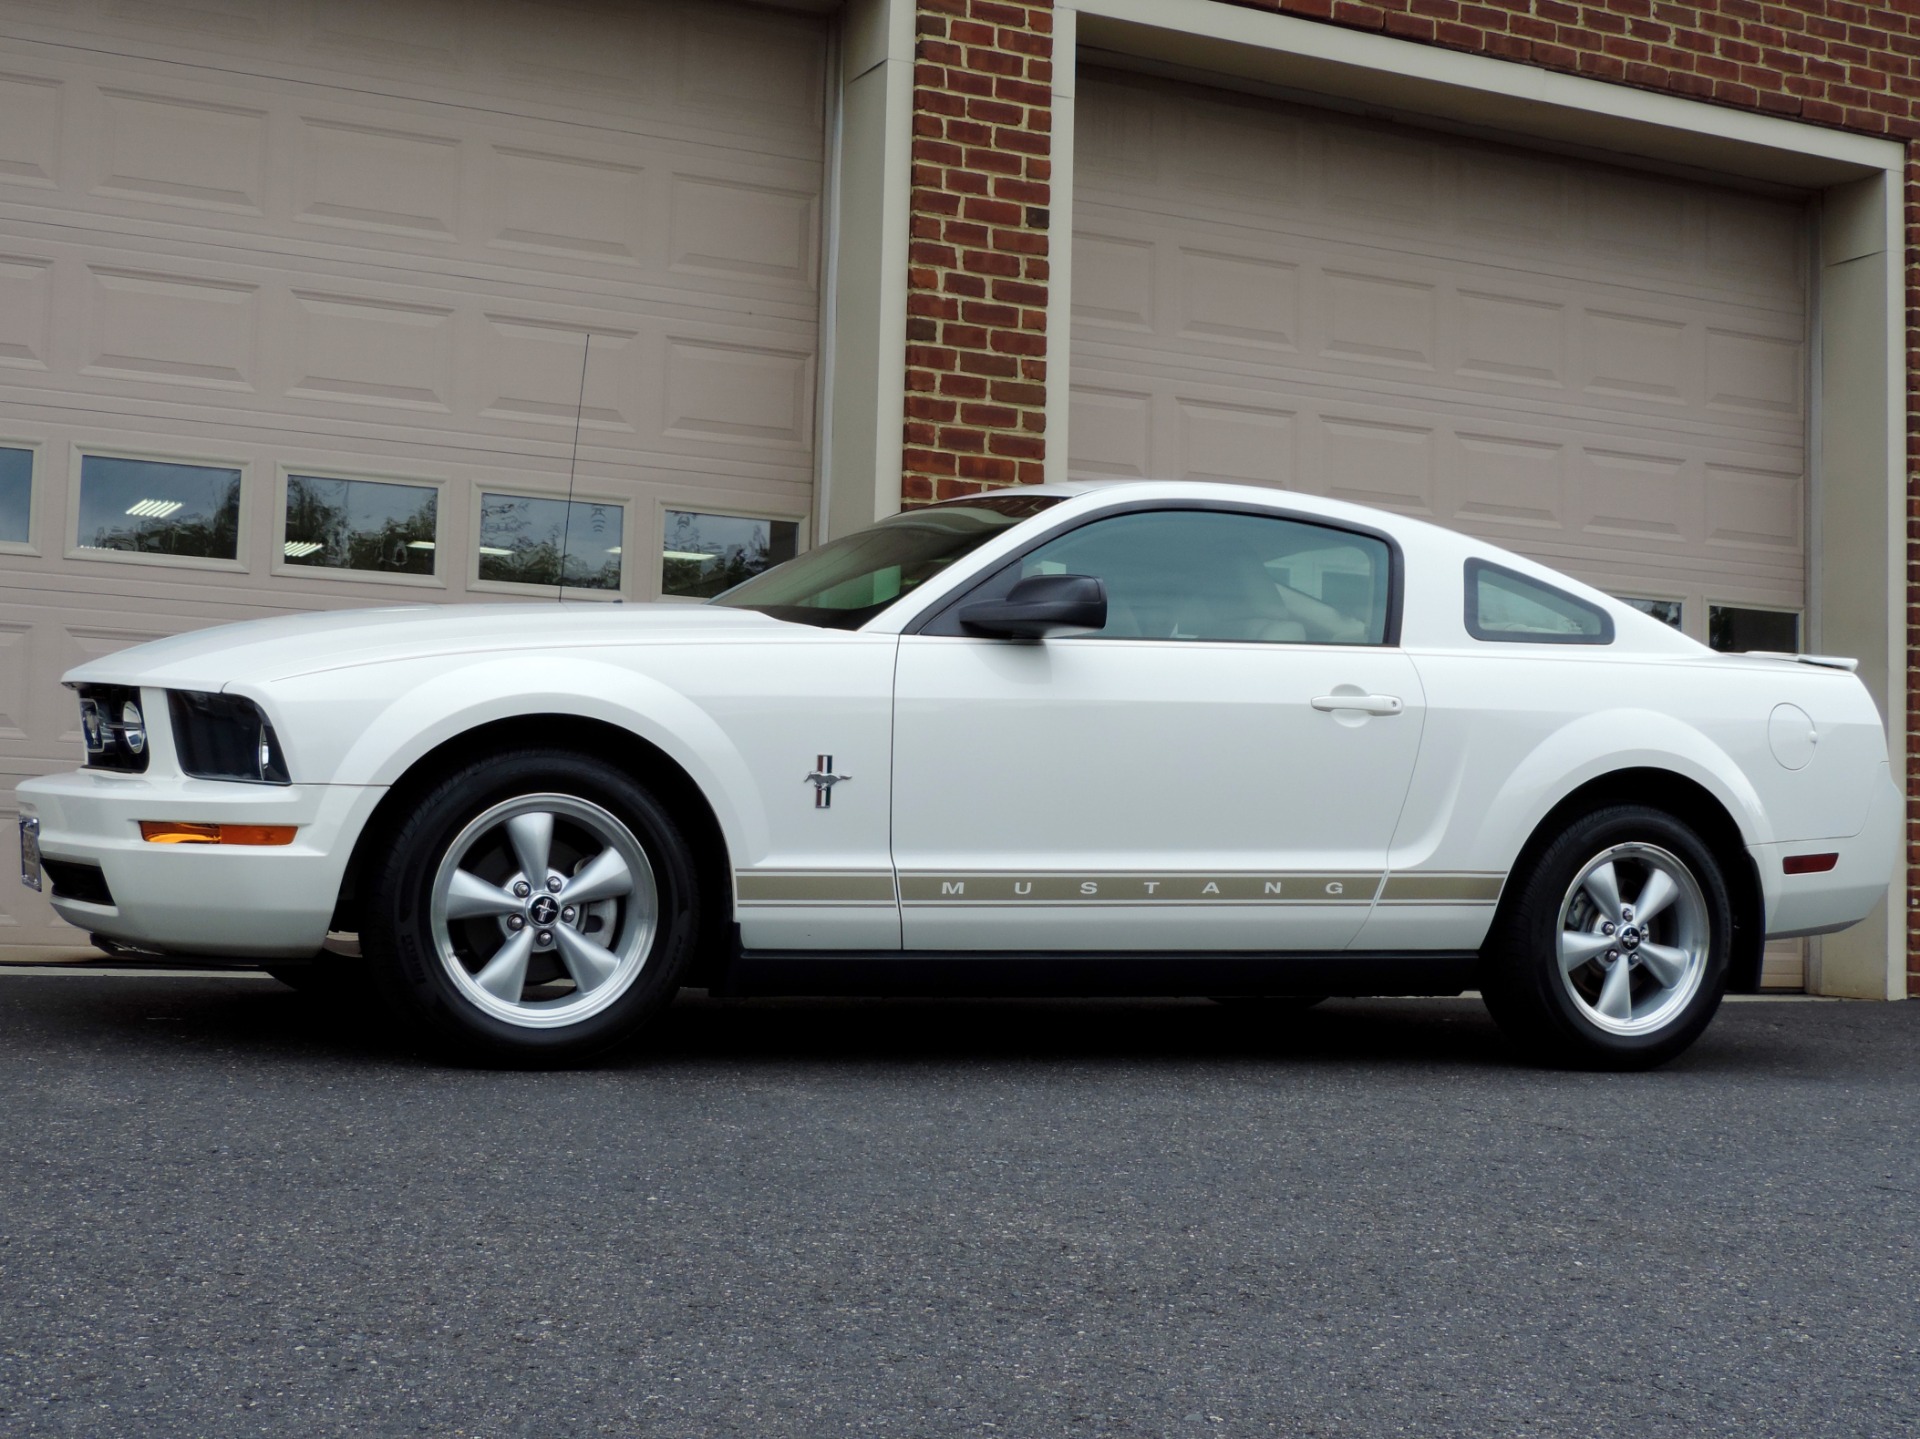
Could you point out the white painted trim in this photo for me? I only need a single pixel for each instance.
(1060, 240)
(1331, 49)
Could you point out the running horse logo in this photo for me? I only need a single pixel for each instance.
(823, 779)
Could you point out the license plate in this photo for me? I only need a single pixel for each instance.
(30, 853)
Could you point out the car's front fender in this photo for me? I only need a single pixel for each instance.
(369, 725)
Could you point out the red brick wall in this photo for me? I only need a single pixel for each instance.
(977, 276)
(977, 303)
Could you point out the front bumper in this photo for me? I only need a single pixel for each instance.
(245, 901)
(1803, 904)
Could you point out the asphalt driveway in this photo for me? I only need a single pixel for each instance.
(224, 1210)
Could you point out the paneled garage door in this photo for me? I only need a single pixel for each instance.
(295, 304)
(1600, 368)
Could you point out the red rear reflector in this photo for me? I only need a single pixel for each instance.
(155, 831)
(1809, 863)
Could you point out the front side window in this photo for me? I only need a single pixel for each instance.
(844, 584)
(527, 540)
(1228, 576)
(1503, 604)
(707, 555)
(16, 496)
(361, 525)
(158, 507)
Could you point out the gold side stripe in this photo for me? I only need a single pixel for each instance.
(971, 887)
(1442, 888)
(866, 887)
(1137, 888)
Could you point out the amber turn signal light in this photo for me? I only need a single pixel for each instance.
(1809, 863)
(158, 831)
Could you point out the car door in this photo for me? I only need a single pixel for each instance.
(1219, 768)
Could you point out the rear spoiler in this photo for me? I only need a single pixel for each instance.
(1825, 662)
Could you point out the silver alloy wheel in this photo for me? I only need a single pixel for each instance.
(544, 910)
(1634, 939)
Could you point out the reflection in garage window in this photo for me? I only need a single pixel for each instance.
(1732, 629)
(16, 496)
(361, 525)
(523, 541)
(706, 555)
(157, 507)
(1666, 611)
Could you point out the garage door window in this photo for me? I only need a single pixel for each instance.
(16, 497)
(1668, 612)
(159, 508)
(1505, 605)
(1734, 629)
(527, 540)
(705, 555)
(368, 525)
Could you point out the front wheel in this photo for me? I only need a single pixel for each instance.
(536, 907)
(1612, 952)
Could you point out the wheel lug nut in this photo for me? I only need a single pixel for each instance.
(516, 921)
(1612, 955)
(1607, 928)
(521, 888)
(567, 914)
(545, 936)
(553, 884)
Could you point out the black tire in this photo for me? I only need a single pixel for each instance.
(411, 947)
(1558, 1018)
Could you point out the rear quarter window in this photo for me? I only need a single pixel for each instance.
(1504, 605)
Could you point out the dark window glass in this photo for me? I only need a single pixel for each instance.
(361, 525)
(529, 541)
(16, 496)
(1732, 629)
(844, 584)
(1666, 611)
(156, 507)
(705, 555)
(1214, 575)
(1503, 605)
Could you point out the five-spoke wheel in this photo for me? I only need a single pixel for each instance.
(1611, 947)
(536, 905)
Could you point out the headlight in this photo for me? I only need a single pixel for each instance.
(225, 737)
(114, 728)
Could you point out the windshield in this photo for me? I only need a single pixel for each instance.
(844, 584)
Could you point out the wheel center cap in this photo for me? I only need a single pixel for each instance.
(1630, 937)
(544, 910)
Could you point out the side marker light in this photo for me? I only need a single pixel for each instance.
(155, 831)
(1809, 863)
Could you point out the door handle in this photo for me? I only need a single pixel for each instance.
(1366, 704)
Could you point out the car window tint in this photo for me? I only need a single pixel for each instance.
(1218, 575)
(1503, 605)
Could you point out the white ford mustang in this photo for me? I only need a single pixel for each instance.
(1136, 738)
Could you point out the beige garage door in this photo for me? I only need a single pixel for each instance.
(1602, 369)
(295, 304)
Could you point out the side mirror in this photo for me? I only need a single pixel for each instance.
(1040, 605)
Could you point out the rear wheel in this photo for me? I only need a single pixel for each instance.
(1612, 952)
(535, 907)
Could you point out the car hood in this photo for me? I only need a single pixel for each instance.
(261, 651)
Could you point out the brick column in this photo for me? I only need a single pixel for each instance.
(977, 266)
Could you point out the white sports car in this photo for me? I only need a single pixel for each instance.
(1120, 738)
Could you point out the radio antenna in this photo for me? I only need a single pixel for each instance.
(573, 463)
